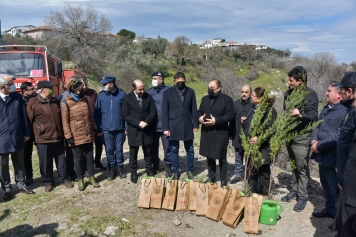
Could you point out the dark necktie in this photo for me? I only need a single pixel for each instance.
(139, 99)
(6, 98)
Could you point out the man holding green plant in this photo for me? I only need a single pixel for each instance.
(298, 148)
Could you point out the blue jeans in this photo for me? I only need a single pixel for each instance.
(329, 181)
(239, 168)
(114, 142)
(189, 148)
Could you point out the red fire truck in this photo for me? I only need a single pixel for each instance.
(32, 63)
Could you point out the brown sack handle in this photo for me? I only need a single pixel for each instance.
(184, 183)
(157, 184)
(148, 183)
(201, 189)
(170, 181)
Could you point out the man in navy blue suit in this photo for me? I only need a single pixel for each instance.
(180, 122)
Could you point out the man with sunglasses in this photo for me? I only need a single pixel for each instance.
(28, 92)
(111, 125)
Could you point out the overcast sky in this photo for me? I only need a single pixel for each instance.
(302, 26)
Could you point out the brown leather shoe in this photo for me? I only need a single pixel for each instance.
(7, 196)
(48, 188)
(67, 184)
(26, 190)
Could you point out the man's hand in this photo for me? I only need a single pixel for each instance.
(142, 125)
(243, 119)
(210, 122)
(253, 140)
(340, 187)
(195, 130)
(296, 113)
(99, 134)
(167, 133)
(201, 119)
(313, 147)
(26, 138)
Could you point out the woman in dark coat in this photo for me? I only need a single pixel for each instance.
(260, 177)
(215, 112)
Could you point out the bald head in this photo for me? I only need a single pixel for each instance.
(138, 87)
(246, 92)
(6, 82)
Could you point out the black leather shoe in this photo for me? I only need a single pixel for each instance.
(100, 166)
(223, 184)
(120, 171)
(300, 205)
(29, 181)
(7, 196)
(26, 190)
(150, 173)
(235, 179)
(134, 177)
(289, 197)
(169, 172)
(323, 213)
(155, 169)
(190, 175)
(176, 177)
(111, 174)
(330, 227)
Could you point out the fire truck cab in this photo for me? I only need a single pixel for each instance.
(31, 63)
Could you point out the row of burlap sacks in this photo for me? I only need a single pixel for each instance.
(206, 199)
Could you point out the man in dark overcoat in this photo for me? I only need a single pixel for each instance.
(215, 112)
(180, 122)
(140, 113)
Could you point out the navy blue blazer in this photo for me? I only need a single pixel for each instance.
(177, 117)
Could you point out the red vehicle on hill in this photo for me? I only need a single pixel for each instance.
(32, 63)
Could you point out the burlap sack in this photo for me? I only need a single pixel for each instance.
(234, 194)
(252, 213)
(233, 216)
(218, 203)
(192, 195)
(144, 198)
(170, 195)
(202, 199)
(157, 193)
(182, 196)
(211, 188)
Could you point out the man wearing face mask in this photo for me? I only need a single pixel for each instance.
(215, 112)
(28, 92)
(180, 122)
(44, 114)
(111, 125)
(156, 91)
(14, 133)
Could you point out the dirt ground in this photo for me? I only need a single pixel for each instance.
(68, 212)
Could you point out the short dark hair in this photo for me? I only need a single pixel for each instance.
(179, 75)
(298, 73)
(25, 86)
(218, 82)
(260, 91)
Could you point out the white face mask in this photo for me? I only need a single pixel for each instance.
(12, 88)
(154, 83)
(106, 88)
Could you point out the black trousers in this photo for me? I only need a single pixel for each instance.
(83, 154)
(147, 157)
(46, 153)
(70, 162)
(212, 169)
(155, 149)
(98, 148)
(27, 158)
(259, 179)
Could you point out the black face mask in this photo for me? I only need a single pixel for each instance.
(81, 93)
(211, 92)
(180, 85)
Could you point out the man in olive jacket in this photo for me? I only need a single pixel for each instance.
(215, 112)
(140, 113)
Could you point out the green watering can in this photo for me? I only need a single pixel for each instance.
(270, 211)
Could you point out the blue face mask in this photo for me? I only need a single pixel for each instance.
(12, 88)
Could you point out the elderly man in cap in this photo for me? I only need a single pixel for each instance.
(345, 219)
(111, 125)
(156, 91)
(44, 114)
(14, 133)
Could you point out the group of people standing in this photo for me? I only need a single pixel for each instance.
(65, 128)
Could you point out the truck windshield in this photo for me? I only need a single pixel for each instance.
(22, 64)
